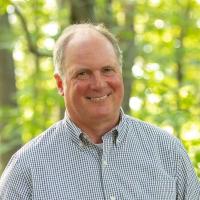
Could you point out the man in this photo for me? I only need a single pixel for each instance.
(96, 151)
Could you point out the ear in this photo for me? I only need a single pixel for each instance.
(59, 83)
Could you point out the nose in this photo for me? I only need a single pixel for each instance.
(98, 81)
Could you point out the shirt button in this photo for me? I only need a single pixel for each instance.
(112, 198)
(81, 144)
(104, 162)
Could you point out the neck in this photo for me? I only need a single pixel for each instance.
(95, 129)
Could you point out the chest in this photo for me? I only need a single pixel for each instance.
(114, 173)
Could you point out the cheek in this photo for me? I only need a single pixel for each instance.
(118, 87)
(117, 84)
(78, 88)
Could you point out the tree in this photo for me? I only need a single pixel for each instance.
(8, 90)
(87, 11)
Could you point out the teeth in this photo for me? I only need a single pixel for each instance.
(96, 99)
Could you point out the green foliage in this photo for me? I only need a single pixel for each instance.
(166, 70)
(3, 6)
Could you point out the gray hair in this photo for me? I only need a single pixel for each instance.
(58, 53)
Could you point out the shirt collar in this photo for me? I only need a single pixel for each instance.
(76, 134)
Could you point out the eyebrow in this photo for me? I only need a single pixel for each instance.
(75, 71)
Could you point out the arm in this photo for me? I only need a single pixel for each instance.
(188, 186)
(15, 182)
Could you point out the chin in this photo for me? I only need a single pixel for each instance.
(101, 114)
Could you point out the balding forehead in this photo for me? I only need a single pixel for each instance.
(87, 39)
(85, 34)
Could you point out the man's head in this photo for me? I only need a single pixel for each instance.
(58, 53)
(89, 74)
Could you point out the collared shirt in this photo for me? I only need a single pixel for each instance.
(137, 162)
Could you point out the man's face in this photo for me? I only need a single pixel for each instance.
(92, 84)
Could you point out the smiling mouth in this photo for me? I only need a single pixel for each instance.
(97, 99)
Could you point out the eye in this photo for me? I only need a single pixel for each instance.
(82, 75)
(108, 70)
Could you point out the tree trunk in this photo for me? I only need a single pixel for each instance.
(82, 11)
(7, 90)
(129, 49)
(179, 60)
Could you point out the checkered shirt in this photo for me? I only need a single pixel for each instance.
(137, 162)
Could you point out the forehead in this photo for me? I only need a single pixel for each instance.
(87, 37)
(89, 44)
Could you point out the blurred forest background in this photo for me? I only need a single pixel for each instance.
(161, 47)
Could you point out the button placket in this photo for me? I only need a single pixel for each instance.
(104, 163)
(112, 197)
(106, 150)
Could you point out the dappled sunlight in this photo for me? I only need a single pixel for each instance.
(18, 55)
(28, 113)
(192, 134)
(152, 66)
(198, 23)
(167, 37)
(49, 43)
(147, 48)
(137, 70)
(121, 18)
(159, 75)
(159, 23)
(50, 4)
(169, 129)
(51, 29)
(135, 103)
(154, 2)
(153, 98)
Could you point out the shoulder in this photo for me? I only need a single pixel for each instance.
(17, 176)
(30, 155)
(154, 138)
(158, 144)
(147, 130)
(36, 147)
(167, 152)
(30, 159)
(44, 138)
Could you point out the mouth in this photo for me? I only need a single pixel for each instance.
(97, 99)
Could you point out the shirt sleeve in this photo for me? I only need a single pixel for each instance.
(15, 183)
(188, 185)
